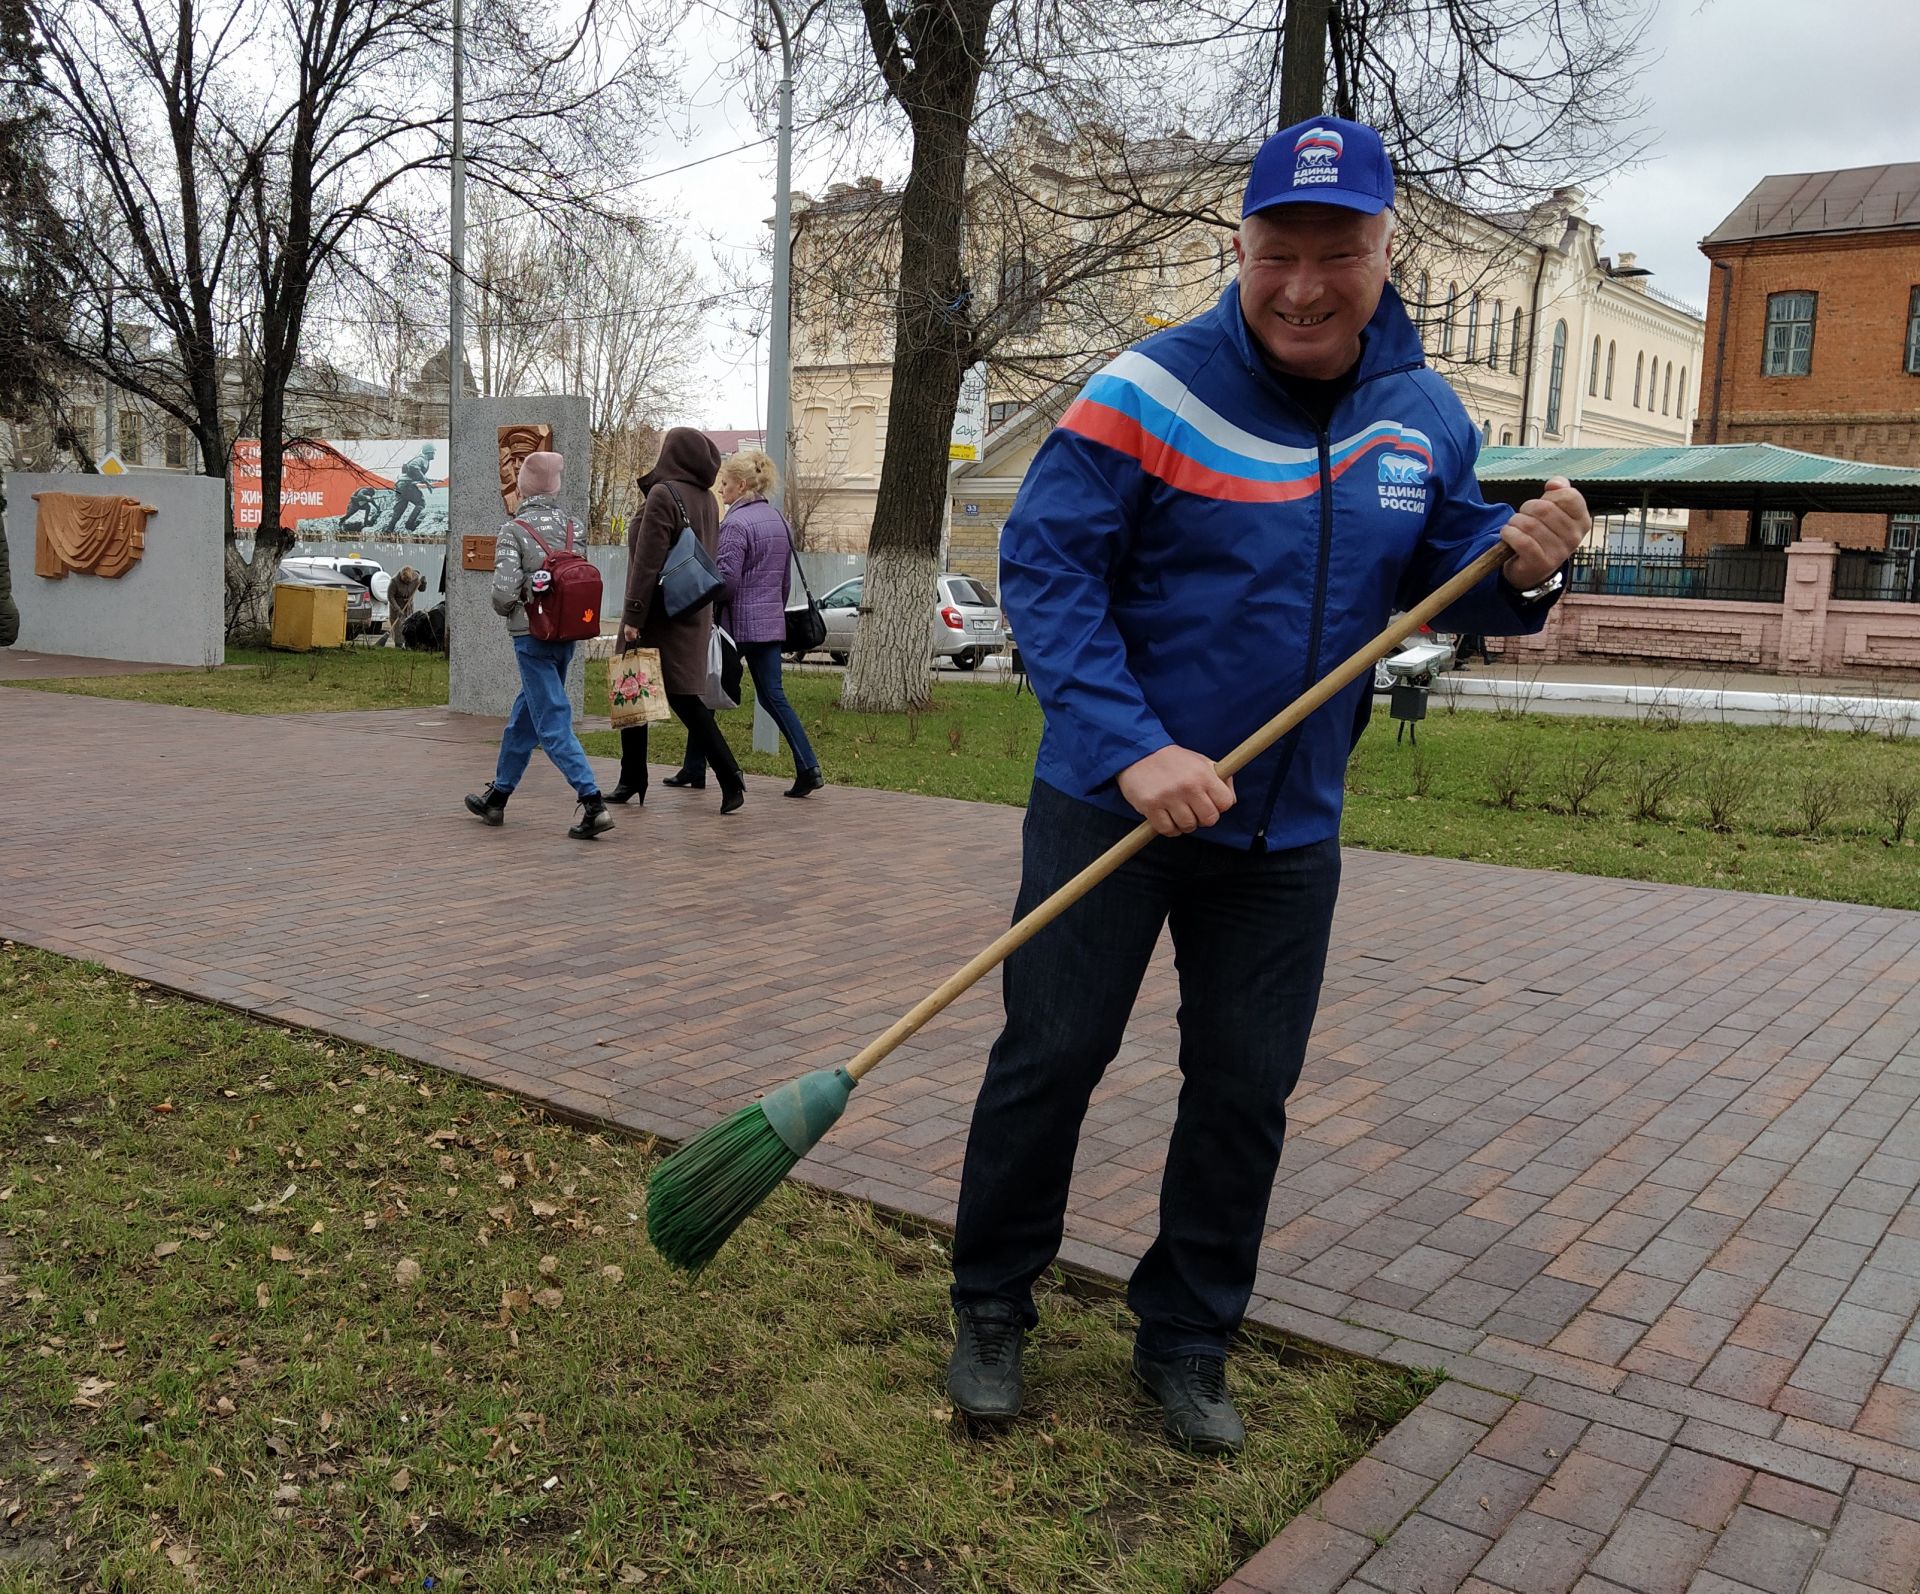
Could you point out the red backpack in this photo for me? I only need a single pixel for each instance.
(569, 610)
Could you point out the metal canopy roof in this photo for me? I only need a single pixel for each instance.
(1712, 476)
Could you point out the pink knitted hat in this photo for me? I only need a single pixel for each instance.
(540, 473)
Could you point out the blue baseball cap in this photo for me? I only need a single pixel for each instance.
(1326, 161)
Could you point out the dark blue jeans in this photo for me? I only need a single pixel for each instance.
(1250, 942)
(763, 664)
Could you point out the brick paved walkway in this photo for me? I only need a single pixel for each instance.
(1640, 1164)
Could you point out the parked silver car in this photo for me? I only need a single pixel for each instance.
(967, 623)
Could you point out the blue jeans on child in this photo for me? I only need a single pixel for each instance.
(1250, 934)
(763, 664)
(542, 717)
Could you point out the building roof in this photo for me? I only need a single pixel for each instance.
(1861, 199)
(1713, 476)
(731, 442)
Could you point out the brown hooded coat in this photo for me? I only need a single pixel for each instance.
(689, 462)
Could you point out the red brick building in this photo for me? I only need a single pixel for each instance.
(1813, 341)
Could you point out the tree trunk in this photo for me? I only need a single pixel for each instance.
(933, 341)
(1303, 61)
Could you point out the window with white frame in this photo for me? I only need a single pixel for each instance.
(1774, 528)
(1473, 327)
(1903, 533)
(1666, 391)
(1519, 336)
(1789, 347)
(1593, 372)
(1611, 347)
(1913, 332)
(1493, 338)
(1446, 326)
(1556, 375)
(1639, 375)
(1680, 398)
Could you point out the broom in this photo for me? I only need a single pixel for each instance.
(703, 1192)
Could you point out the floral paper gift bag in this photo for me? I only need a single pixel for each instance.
(635, 693)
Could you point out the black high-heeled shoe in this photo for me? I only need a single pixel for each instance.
(623, 793)
(734, 800)
(690, 782)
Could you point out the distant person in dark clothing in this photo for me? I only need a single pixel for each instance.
(9, 610)
(1469, 644)
(678, 492)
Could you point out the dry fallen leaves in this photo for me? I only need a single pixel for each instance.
(262, 1297)
(543, 1209)
(549, 1298)
(549, 1265)
(165, 1248)
(401, 1481)
(281, 1253)
(613, 1273)
(406, 1272)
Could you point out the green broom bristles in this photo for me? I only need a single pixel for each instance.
(704, 1191)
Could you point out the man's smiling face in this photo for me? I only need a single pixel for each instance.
(1311, 277)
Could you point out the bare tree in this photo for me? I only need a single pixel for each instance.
(248, 151)
(1485, 103)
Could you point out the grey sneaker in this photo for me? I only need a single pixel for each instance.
(983, 1376)
(1196, 1411)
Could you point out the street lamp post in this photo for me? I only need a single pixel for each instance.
(457, 254)
(779, 359)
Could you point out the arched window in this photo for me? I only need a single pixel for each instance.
(1493, 339)
(1486, 433)
(1680, 399)
(860, 442)
(1519, 336)
(1556, 373)
(1611, 346)
(1421, 304)
(1593, 372)
(1653, 382)
(1639, 374)
(1446, 326)
(1666, 392)
(1473, 327)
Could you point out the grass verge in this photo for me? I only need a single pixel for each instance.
(1826, 814)
(278, 1312)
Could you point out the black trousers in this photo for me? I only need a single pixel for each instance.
(1250, 937)
(703, 733)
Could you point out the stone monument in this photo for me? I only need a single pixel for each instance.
(119, 567)
(490, 438)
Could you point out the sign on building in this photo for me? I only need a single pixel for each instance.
(970, 418)
(361, 486)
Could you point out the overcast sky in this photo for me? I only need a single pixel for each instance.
(1736, 90)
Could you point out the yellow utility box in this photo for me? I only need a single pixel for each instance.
(305, 618)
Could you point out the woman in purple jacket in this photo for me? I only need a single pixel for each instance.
(755, 559)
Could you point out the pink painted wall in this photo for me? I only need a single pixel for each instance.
(1810, 633)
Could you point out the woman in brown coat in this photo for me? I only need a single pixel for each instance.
(679, 484)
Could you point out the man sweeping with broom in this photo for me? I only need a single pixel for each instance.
(1228, 509)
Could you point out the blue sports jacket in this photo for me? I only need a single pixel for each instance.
(1190, 552)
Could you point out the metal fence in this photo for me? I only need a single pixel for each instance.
(1727, 575)
(1889, 575)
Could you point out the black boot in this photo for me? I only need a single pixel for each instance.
(984, 1376)
(489, 806)
(734, 799)
(593, 820)
(691, 782)
(627, 791)
(1196, 1411)
(808, 780)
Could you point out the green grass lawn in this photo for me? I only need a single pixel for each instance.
(1812, 814)
(281, 1313)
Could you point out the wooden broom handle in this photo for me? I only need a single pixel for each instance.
(1024, 930)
